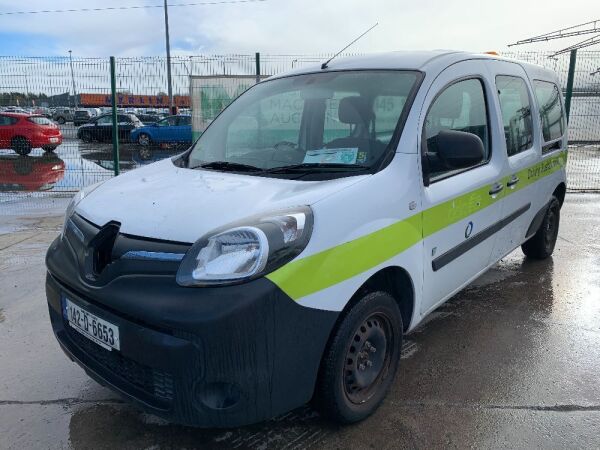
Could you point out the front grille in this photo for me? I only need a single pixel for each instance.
(154, 382)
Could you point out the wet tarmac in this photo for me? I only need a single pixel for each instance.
(511, 362)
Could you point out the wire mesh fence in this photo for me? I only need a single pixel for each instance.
(75, 94)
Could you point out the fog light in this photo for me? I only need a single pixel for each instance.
(218, 395)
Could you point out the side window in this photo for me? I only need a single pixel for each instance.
(551, 112)
(184, 120)
(516, 113)
(104, 120)
(6, 120)
(460, 107)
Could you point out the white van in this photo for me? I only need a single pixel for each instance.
(318, 219)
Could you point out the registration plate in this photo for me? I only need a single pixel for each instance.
(103, 333)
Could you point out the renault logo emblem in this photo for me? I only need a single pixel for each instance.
(468, 230)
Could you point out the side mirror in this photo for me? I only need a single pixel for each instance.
(459, 149)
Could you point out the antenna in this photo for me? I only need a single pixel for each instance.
(324, 65)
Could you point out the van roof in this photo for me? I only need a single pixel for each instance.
(434, 60)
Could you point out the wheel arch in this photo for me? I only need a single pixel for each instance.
(17, 136)
(560, 192)
(395, 281)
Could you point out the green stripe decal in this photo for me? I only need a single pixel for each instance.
(324, 269)
(334, 265)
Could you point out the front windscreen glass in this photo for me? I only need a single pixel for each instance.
(334, 121)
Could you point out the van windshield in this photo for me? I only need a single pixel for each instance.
(332, 122)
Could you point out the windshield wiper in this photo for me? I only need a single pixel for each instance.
(233, 166)
(322, 167)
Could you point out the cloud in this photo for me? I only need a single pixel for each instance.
(285, 26)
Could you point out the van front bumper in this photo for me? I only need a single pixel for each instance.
(210, 357)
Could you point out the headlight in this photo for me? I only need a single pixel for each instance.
(76, 200)
(246, 250)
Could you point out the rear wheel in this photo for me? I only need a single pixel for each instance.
(49, 148)
(541, 244)
(21, 145)
(144, 140)
(361, 359)
(86, 136)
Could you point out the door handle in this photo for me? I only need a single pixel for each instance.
(513, 181)
(496, 189)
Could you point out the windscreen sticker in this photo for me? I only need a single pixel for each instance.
(331, 156)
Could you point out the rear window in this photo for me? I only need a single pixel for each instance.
(40, 120)
(547, 96)
(516, 113)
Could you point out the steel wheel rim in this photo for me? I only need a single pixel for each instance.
(550, 233)
(368, 358)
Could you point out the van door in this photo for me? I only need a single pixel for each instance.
(461, 208)
(521, 201)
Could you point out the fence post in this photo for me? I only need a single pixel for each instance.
(257, 59)
(570, 79)
(115, 124)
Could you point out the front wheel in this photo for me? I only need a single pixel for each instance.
(361, 359)
(541, 244)
(86, 136)
(144, 140)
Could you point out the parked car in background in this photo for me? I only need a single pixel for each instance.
(82, 116)
(42, 111)
(149, 118)
(101, 128)
(23, 132)
(62, 115)
(30, 173)
(13, 109)
(170, 130)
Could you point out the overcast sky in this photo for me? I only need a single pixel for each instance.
(285, 26)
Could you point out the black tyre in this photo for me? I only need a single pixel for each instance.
(21, 145)
(49, 148)
(541, 244)
(144, 140)
(361, 359)
(61, 120)
(86, 136)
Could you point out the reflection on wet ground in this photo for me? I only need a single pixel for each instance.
(73, 165)
(512, 361)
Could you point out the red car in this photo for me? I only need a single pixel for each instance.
(22, 132)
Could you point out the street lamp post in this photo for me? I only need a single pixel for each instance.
(169, 82)
(73, 79)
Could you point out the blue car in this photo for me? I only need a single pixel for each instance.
(170, 130)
